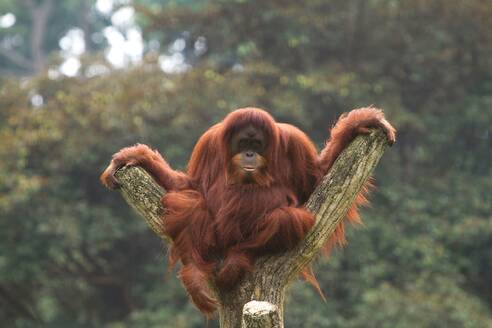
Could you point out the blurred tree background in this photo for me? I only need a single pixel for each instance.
(81, 79)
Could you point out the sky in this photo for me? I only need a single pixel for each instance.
(7, 20)
(124, 39)
(125, 43)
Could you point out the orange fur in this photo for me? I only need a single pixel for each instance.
(235, 265)
(220, 222)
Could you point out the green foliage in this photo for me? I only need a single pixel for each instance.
(74, 255)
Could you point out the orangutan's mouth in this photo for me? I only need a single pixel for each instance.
(249, 168)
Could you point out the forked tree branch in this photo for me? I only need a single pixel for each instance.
(330, 202)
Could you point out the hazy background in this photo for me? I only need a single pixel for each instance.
(81, 79)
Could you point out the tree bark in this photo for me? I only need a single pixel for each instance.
(330, 202)
(40, 14)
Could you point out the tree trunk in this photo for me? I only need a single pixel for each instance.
(330, 202)
(40, 14)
